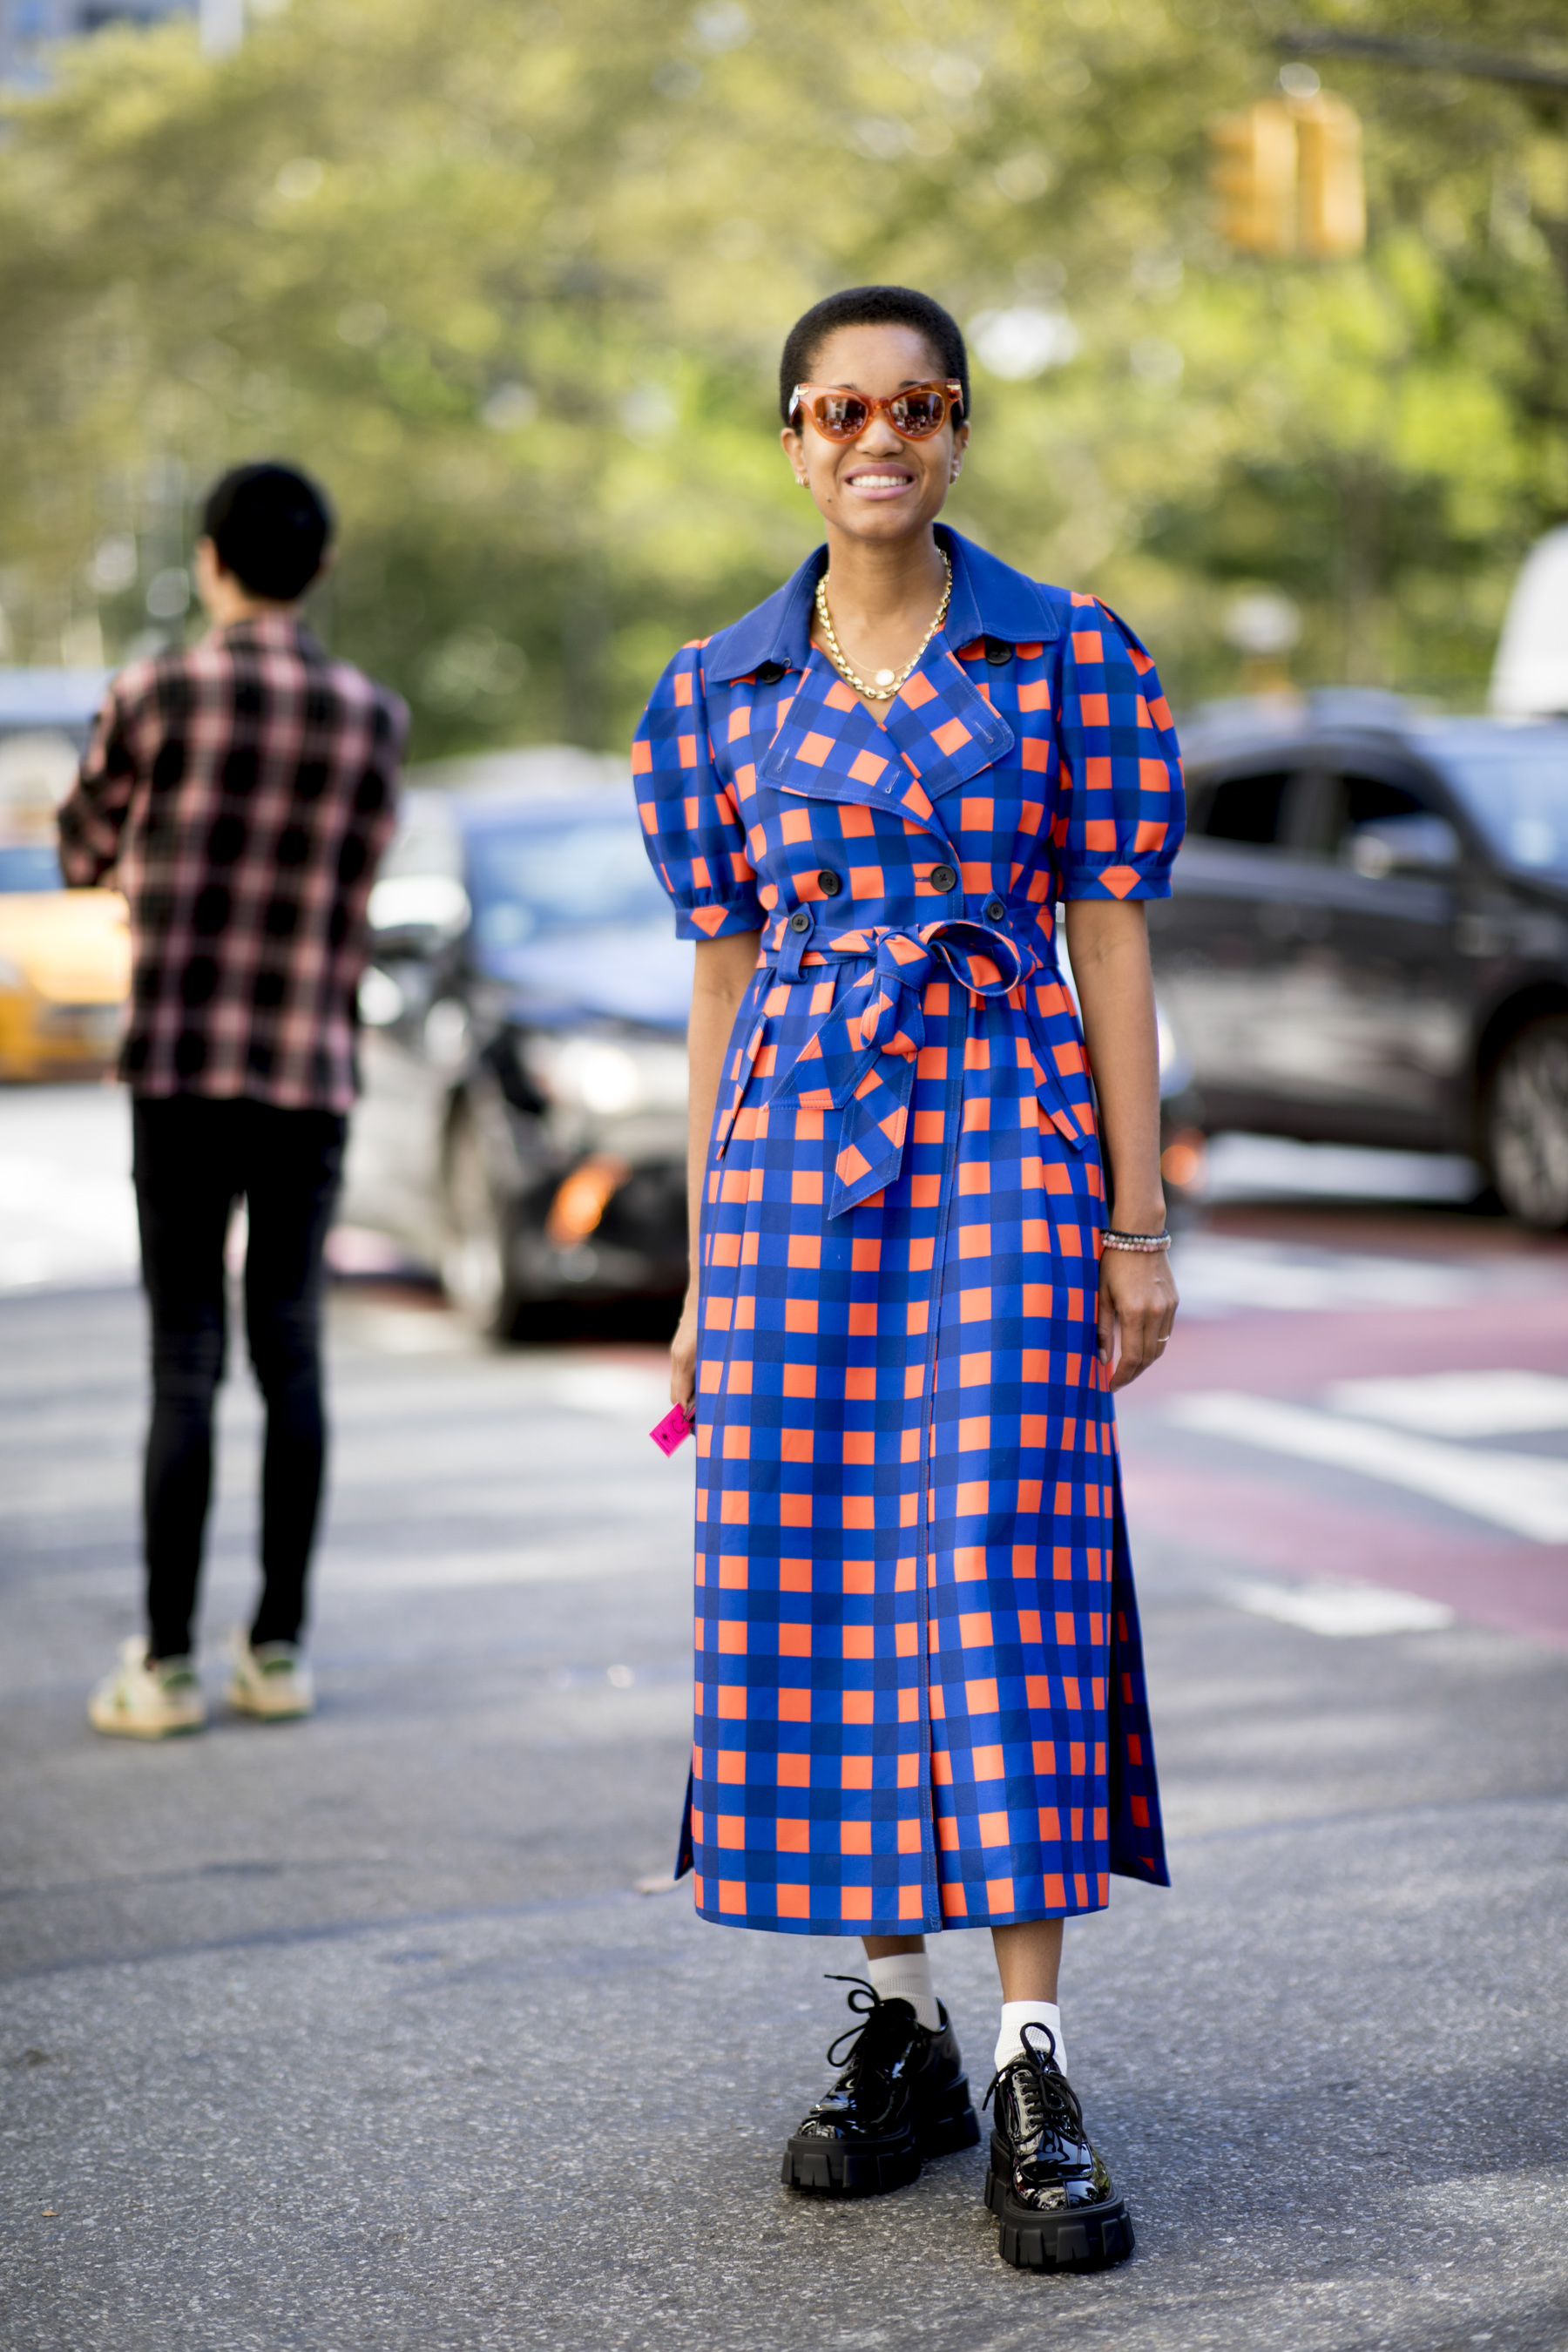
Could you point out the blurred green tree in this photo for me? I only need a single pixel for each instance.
(513, 281)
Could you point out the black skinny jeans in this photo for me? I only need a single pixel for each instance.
(194, 1158)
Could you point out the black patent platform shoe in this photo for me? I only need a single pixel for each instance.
(902, 2096)
(1051, 2193)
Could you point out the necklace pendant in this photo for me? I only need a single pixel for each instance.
(884, 677)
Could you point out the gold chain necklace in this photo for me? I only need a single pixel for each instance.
(885, 684)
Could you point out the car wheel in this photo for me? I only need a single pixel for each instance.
(476, 1272)
(1527, 1125)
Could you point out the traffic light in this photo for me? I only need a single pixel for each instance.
(1331, 215)
(1254, 175)
(1288, 175)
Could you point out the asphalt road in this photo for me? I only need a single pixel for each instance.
(355, 2033)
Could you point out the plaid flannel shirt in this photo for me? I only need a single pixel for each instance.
(241, 795)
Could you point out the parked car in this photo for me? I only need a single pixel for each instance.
(1182, 1143)
(522, 1127)
(65, 955)
(65, 968)
(64, 702)
(1367, 940)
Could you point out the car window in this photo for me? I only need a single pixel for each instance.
(533, 878)
(1247, 809)
(1351, 804)
(1513, 781)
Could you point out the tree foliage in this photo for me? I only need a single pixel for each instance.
(513, 279)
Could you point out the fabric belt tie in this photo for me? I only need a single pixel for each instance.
(860, 1058)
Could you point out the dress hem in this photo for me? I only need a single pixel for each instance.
(849, 1928)
(1146, 1873)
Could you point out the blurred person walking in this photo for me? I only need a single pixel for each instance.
(241, 795)
(920, 1698)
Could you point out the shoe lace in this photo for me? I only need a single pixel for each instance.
(857, 2041)
(1045, 2098)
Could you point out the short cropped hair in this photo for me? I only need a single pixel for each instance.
(270, 526)
(871, 306)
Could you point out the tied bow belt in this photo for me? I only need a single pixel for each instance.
(860, 1058)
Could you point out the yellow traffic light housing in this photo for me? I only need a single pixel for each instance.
(1254, 175)
(1331, 208)
(1288, 173)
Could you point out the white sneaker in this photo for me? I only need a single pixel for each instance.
(272, 1683)
(148, 1701)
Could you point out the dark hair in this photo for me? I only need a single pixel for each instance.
(871, 306)
(270, 527)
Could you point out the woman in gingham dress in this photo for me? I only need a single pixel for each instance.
(919, 1694)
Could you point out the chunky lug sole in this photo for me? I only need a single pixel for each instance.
(1076, 2237)
(872, 2167)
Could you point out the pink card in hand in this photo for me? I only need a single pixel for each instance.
(672, 1430)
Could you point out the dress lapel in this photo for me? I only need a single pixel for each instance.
(829, 748)
(944, 725)
(941, 730)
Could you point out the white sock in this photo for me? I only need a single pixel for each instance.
(1015, 2015)
(906, 1976)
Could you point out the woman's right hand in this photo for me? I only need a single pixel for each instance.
(683, 1359)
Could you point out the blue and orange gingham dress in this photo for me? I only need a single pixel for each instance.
(919, 1695)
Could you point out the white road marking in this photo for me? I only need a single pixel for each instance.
(1344, 1612)
(1459, 1404)
(64, 1222)
(619, 1389)
(1272, 1166)
(1522, 1492)
(1218, 1274)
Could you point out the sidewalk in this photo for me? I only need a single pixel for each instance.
(354, 2037)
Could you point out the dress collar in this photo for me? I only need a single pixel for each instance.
(989, 600)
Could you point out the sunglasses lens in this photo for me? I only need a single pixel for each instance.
(839, 415)
(918, 415)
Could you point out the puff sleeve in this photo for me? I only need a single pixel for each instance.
(691, 828)
(1122, 812)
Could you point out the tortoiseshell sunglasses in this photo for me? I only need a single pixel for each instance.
(914, 414)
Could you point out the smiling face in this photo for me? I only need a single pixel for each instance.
(878, 486)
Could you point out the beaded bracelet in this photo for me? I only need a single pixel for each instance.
(1113, 1240)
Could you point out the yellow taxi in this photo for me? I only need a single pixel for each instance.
(65, 955)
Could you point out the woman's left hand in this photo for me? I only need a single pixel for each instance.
(1138, 1298)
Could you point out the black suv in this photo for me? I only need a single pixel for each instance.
(524, 1043)
(1368, 937)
